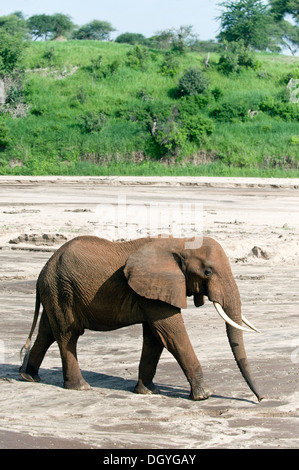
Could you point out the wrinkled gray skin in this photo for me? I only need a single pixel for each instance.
(92, 283)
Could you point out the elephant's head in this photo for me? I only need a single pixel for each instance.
(168, 270)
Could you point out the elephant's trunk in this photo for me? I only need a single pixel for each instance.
(232, 309)
(235, 338)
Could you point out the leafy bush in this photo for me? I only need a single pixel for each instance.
(194, 123)
(235, 57)
(50, 55)
(197, 126)
(99, 70)
(291, 75)
(170, 138)
(11, 51)
(193, 82)
(96, 30)
(78, 98)
(144, 95)
(190, 105)
(286, 111)
(169, 66)
(228, 112)
(92, 122)
(13, 84)
(110, 69)
(217, 93)
(137, 57)
(5, 139)
(172, 129)
(131, 38)
(15, 104)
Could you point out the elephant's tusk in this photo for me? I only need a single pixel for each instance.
(228, 320)
(247, 322)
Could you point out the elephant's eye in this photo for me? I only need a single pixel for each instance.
(208, 272)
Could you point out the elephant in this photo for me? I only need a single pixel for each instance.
(97, 284)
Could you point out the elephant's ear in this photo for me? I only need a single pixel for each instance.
(153, 272)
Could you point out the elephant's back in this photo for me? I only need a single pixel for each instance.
(86, 260)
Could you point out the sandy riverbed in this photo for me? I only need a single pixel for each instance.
(256, 221)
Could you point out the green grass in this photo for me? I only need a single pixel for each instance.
(63, 86)
(146, 168)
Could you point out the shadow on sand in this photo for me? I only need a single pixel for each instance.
(53, 377)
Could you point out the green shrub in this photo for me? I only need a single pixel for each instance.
(50, 55)
(193, 82)
(137, 57)
(103, 71)
(173, 129)
(131, 38)
(11, 50)
(291, 75)
(190, 105)
(170, 138)
(217, 93)
(144, 95)
(14, 84)
(235, 57)
(79, 97)
(227, 112)
(286, 111)
(194, 123)
(92, 122)
(170, 65)
(5, 139)
(197, 126)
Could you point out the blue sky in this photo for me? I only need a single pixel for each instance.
(146, 17)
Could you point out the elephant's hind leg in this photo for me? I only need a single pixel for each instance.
(71, 371)
(42, 343)
(151, 352)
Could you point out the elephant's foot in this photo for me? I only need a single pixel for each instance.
(202, 392)
(145, 389)
(79, 385)
(29, 374)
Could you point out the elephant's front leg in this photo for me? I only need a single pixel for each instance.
(151, 352)
(173, 335)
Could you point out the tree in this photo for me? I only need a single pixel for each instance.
(12, 34)
(11, 50)
(40, 26)
(282, 7)
(235, 57)
(287, 32)
(248, 20)
(61, 25)
(176, 39)
(49, 26)
(287, 35)
(193, 82)
(96, 30)
(162, 40)
(131, 38)
(14, 24)
(182, 38)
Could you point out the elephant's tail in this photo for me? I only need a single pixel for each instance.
(24, 353)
